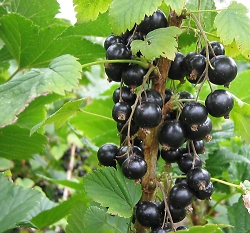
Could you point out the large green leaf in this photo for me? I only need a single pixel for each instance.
(40, 12)
(177, 6)
(22, 42)
(208, 228)
(124, 14)
(113, 185)
(233, 24)
(97, 220)
(158, 43)
(89, 9)
(15, 202)
(16, 143)
(239, 217)
(240, 114)
(63, 74)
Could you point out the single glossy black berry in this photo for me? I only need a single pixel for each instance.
(180, 196)
(186, 160)
(152, 95)
(134, 167)
(219, 103)
(165, 229)
(198, 179)
(218, 49)
(179, 228)
(121, 112)
(148, 214)
(185, 95)
(133, 75)
(181, 180)
(168, 95)
(176, 71)
(118, 51)
(123, 129)
(186, 62)
(171, 134)
(112, 39)
(107, 153)
(206, 193)
(171, 156)
(199, 146)
(125, 152)
(177, 214)
(156, 20)
(147, 115)
(114, 72)
(193, 113)
(225, 70)
(126, 95)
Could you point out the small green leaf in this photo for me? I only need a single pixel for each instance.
(233, 24)
(89, 9)
(112, 184)
(15, 202)
(177, 6)
(124, 14)
(63, 74)
(61, 116)
(240, 115)
(158, 43)
(16, 143)
(5, 164)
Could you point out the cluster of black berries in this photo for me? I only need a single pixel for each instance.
(179, 119)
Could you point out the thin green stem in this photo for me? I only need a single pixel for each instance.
(142, 64)
(198, 31)
(203, 11)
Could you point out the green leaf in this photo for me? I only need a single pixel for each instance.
(124, 14)
(97, 220)
(61, 116)
(16, 143)
(15, 202)
(54, 41)
(233, 24)
(240, 223)
(40, 12)
(240, 114)
(5, 164)
(208, 228)
(177, 6)
(112, 184)
(76, 219)
(89, 9)
(62, 75)
(158, 43)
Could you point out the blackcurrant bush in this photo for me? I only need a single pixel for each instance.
(198, 179)
(177, 214)
(186, 160)
(134, 167)
(107, 153)
(125, 152)
(112, 39)
(126, 95)
(114, 72)
(152, 95)
(147, 115)
(176, 71)
(121, 112)
(171, 134)
(118, 51)
(218, 49)
(225, 70)
(150, 23)
(199, 146)
(123, 130)
(219, 103)
(206, 193)
(171, 156)
(180, 196)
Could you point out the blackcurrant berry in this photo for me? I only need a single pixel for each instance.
(126, 95)
(134, 167)
(150, 23)
(121, 112)
(180, 196)
(114, 72)
(125, 152)
(107, 153)
(179, 228)
(206, 193)
(168, 95)
(199, 146)
(152, 95)
(171, 156)
(176, 71)
(219, 103)
(225, 70)
(198, 179)
(177, 214)
(218, 49)
(171, 134)
(186, 62)
(185, 95)
(186, 160)
(123, 130)
(147, 115)
(112, 39)
(118, 51)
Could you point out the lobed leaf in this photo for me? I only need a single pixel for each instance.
(158, 43)
(113, 185)
(62, 75)
(177, 6)
(124, 14)
(233, 24)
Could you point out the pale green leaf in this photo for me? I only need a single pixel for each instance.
(240, 115)
(22, 145)
(124, 14)
(177, 6)
(15, 202)
(5, 164)
(40, 12)
(113, 185)
(61, 116)
(89, 9)
(208, 228)
(233, 24)
(158, 43)
(62, 75)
